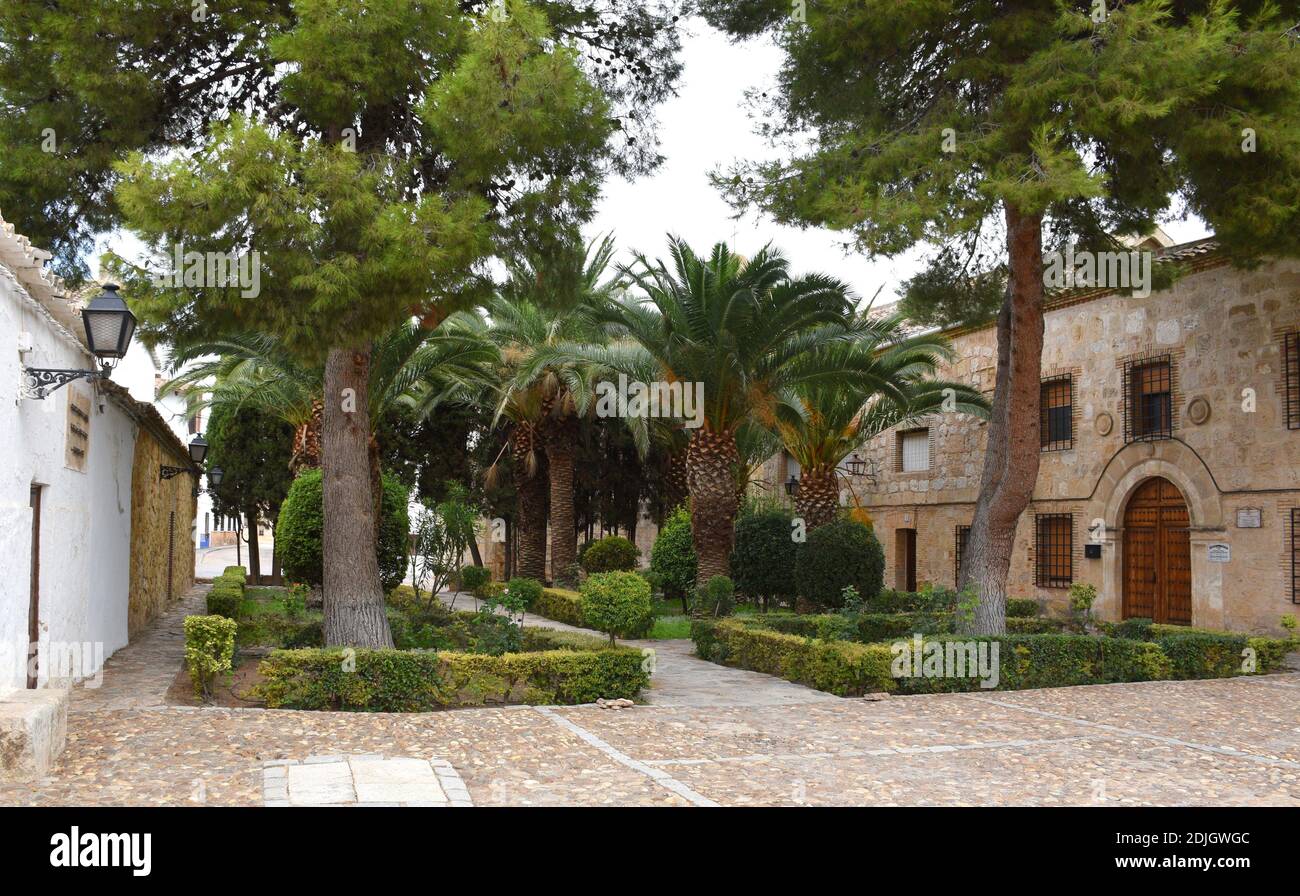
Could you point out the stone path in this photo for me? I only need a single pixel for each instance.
(1230, 741)
(363, 781)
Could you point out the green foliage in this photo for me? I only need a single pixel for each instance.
(524, 591)
(613, 553)
(209, 650)
(617, 603)
(672, 558)
(837, 667)
(560, 605)
(443, 533)
(298, 531)
(763, 559)
(840, 553)
(474, 578)
(1021, 607)
(558, 669)
(716, 597)
(949, 291)
(253, 449)
(227, 593)
(929, 599)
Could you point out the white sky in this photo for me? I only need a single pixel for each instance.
(707, 127)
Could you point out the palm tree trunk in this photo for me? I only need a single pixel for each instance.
(306, 441)
(818, 498)
(354, 600)
(561, 443)
(1011, 457)
(711, 462)
(530, 491)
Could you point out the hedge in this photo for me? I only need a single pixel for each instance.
(421, 681)
(209, 649)
(563, 605)
(845, 668)
(227, 593)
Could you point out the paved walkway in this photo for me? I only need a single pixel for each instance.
(1232, 741)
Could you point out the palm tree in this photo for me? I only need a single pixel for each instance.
(749, 333)
(546, 303)
(893, 385)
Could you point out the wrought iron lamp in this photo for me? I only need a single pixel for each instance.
(792, 486)
(109, 327)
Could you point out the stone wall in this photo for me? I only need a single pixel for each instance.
(162, 538)
(1222, 329)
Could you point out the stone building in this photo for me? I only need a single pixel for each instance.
(93, 542)
(1170, 465)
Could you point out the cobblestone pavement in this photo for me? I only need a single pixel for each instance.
(1233, 741)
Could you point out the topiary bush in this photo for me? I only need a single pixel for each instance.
(617, 603)
(672, 559)
(298, 531)
(474, 579)
(209, 649)
(1021, 607)
(839, 553)
(613, 553)
(763, 560)
(715, 598)
(227, 593)
(524, 591)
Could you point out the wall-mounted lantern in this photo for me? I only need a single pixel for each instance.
(198, 454)
(109, 327)
(792, 486)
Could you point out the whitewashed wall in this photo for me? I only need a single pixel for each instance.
(86, 516)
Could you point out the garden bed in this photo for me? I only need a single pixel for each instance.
(442, 659)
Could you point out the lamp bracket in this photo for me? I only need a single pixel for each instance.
(39, 382)
(165, 472)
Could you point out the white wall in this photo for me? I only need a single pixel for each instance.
(85, 516)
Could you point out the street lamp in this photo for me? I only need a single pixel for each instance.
(109, 327)
(198, 454)
(856, 465)
(198, 450)
(215, 475)
(792, 486)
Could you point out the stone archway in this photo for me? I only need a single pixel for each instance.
(1157, 554)
(1178, 464)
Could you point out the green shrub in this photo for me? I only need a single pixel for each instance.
(298, 531)
(613, 553)
(525, 591)
(209, 649)
(931, 600)
(1035, 625)
(474, 578)
(559, 604)
(1203, 654)
(842, 552)
(763, 560)
(227, 593)
(837, 667)
(715, 598)
(420, 681)
(617, 603)
(235, 573)
(672, 558)
(1021, 607)
(1137, 628)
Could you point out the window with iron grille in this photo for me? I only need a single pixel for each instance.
(1148, 400)
(963, 536)
(1295, 555)
(1292, 368)
(1054, 550)
(1056, 409)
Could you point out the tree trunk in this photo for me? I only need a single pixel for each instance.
(530, 491)
(561, 436)
(354, 599)
(818, 498)
(711, 462)
(254, 550)
(306, 441)
(1012, 454)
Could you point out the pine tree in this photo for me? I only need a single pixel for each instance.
(932, 120)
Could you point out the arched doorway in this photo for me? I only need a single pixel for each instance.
(1157, 554)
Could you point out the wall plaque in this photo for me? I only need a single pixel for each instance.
(1249, 517)
(1219, 553)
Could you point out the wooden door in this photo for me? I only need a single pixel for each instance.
(1158, 554)
(905, 559)
(34, 604)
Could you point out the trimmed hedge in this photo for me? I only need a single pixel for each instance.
(845, 668)
(209, 649)
(421, 681)
(617, 603)
(1021, 607)
(937, 600)
(559, 604)
(227, 593)
(613, 553)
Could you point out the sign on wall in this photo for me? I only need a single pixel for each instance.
(1249, 517)
(1219, 553)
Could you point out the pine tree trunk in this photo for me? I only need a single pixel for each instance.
(711, 462)
(561, 443)
(530, 491)
(818, 498)
(1011, 457)
(354, 599)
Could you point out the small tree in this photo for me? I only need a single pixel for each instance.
(716, 597)
(617, 603)
(610, 554)
(841, 553)
(764, 558)
(672, 559)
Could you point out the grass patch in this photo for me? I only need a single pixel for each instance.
(667, 628)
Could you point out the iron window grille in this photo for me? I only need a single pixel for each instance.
(1148, 399)
(962, 536)
(1295, 555)
(1054, 550)
(1292, 368)
(1056, 411)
